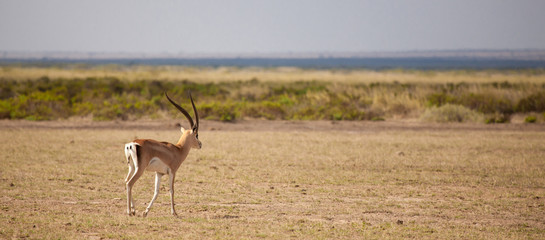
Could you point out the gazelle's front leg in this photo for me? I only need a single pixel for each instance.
(157, 185)
(171, 177)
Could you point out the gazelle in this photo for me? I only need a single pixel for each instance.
(161, 158)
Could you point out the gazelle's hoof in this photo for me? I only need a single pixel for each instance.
(145, 213)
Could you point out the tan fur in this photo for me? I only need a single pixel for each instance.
(160, 157)
(143, 154)
(170, 155)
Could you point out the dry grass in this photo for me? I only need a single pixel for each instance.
(109, 92)
(281, 74)
(447, 183)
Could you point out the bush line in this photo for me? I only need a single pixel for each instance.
(111, 98)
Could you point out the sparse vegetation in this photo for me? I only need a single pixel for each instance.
(452, 113)
(389, 183)
(116, 92)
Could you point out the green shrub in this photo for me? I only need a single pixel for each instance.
(481, 102)
(497, 118)
(377, 119)
(530, 119)
(83, 108)
(110, 111)
(225, 112)
(5, 109)
(351, 113)
(36, 106)
(337, 116)
(308, 112)
(532, 103)
(486, 103)
(440, 99)
(272, 110)
(451, 113)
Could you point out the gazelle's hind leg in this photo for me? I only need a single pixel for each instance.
(132, 159)
(157, 185)
(130, 204)
(133, 175)
(131, 171)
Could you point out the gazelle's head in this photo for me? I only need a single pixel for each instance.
(191, 136)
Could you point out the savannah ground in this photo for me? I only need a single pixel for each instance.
(278, 179)
(397, 174)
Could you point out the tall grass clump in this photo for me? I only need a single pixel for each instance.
(532, 103)
(497, 101)
(451, 113)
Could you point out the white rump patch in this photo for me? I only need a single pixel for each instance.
(130, 151)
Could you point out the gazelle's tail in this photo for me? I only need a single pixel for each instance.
(131, 152)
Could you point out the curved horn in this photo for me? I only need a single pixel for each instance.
(196, 114)
(182, 110)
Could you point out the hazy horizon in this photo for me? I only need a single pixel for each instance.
(230, 27)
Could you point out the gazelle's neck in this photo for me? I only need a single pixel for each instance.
(183, 139)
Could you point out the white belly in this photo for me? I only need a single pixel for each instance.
(156, 165)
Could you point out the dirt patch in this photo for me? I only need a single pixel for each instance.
(277, 125)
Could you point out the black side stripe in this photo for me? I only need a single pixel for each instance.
(137, 151)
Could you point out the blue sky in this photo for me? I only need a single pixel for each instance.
(270, 26)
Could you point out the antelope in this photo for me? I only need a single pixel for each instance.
(161, 158)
